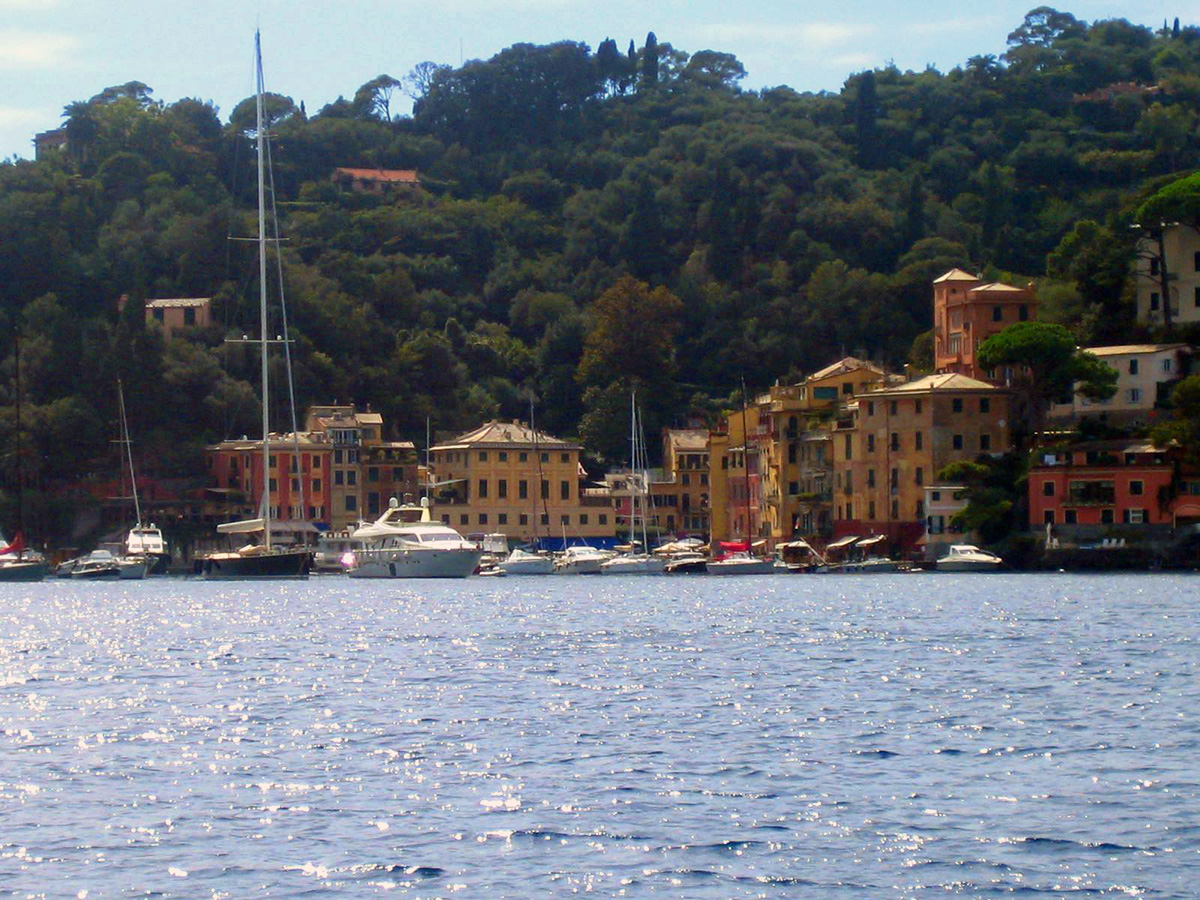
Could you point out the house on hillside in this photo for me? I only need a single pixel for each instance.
(376, 181)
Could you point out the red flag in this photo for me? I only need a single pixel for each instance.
(17, 545)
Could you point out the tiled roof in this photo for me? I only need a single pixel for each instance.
(503, 435)
(949, 381)
(1134, 348)
(995, 287)
(177, 302)
(846, 364)
(955, 275)
(391, 176)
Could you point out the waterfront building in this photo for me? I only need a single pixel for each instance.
(502, 478)
(680, 495)
(942, 503)
(1146, 375)
(367, 471)
(1177, 263)
(733, 477)
(180, 312)
(966, 312)
(298, 469)
(892, 442)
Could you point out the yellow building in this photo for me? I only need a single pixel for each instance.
(733, 477)
(1180, 258)
(502, 478)
(894, 441)
(681, 496)
(181, 312)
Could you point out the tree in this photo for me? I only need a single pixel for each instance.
(1047, 366)
(420, 77)
(1184, 428)
(1097, 261)
(375, 97)
(866, 110)
(993, 494)
(650, 61)
(714, 70)
(633, 335)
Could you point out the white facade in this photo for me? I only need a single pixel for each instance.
(942, 503)
(1181, 244)
(1140, 368)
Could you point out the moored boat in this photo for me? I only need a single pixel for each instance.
(581, 561)
(524, 562)
(968, 558)
(405, 542)
(741, 563)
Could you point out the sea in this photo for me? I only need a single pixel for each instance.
(804, 736)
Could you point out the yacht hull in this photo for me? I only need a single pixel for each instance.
(963, 565)
(291, 564)
(633, 566)
(539, 566)
(742, 567)
(22, 571)
(406, 563)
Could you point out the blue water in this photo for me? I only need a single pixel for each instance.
(792, 736)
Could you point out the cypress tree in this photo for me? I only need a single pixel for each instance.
(866, 108)
(650, 61)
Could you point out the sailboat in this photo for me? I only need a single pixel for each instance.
(258, 560)
(16, 563)
(636, 562)
(531, 562)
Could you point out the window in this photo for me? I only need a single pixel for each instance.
(1133, 367)
(1136, 488)
(564, 490)
(1153, 302)
(545, 519)
(870, 478)
(849, 448)
(686, 479)
(564, 519)
(271, 461)
(985, 442)
(895, 509)
(957, 404)
(351, 503)
(445, 518)
(985, 404)
(920, 475)
(464, 519)
(523, 489)
(1154, 265)
(372, 474)
(502, 518)
(870, 407)
(849, 510)
(272, 485)
(316, 485)
(893, 407)
(1048, 489)
(158, 315)
(603, 518)
(1135, 517)
(1048, 517)
(1070, 517)
(895, 478)
(583, 518)
(1135, 395)
(920, 510)
(545, 489)
(704, 478)
(351, 476)
(1196, 294)
(545, 457)
(1107, 517)
(847, 387)
(566, 457)
(1023, 313)
(483, 456)
(339, 477)
(870, 443)
(397, 474)
(483, 518)
(523, 457)
(295, 484)
(502, 456)
(502, 487)
(352, 456)
(919, 407)
(524, 519)
(338, 457)
(483, 487)
(895, 440)
(920, 439)
(957, 442)
(189, 316)
(871, 511)
(1167, 364)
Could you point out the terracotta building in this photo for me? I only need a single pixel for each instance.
(893, 443)
(502, 478)
(376, 181)
(299, 489)
(966, 312)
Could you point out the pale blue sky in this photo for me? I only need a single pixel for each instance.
(53, 52)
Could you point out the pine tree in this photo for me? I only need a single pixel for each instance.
(650, 61)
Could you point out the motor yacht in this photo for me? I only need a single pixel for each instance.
(524, 562)
(742, 563)
(581, 561)
(968, 558)
(405, 542)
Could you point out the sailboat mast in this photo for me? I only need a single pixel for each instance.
(20, 462)
(533, 495)
(746, 466)
(137, 506)
(262, 294)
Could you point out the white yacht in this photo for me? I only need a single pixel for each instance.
(405, 542)
(581, 561)
(742, 563)
(146, 542)
(524, 562)
(634, 564)
(968, 558)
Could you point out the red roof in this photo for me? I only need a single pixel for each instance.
(391, 176)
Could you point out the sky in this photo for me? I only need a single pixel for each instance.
(53, 52)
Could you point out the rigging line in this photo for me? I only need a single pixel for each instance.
(287, 346)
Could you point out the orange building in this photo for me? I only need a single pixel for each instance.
(298, 492)
(1119, 482)
(966, 312)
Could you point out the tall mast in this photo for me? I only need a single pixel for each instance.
(20, 466)
(262, 295)
(537, 455)
(137, 506)
(746, 466)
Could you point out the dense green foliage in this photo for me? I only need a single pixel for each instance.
(791, 227)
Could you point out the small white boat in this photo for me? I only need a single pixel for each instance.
(581, 561)
(686, 564)
(741, 564)
(523, 562)
(968, 558)
(633, 564)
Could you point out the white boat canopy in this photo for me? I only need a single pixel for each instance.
(246, 526)
(872, 541)
(843, 542)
